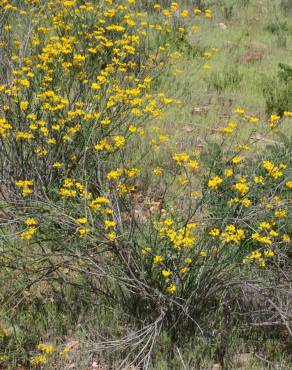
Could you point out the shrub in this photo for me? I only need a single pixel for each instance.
(286, 6)
(278, 91)
(229, 78)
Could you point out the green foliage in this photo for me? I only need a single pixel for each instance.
(230, 78)
(228, 12)
(286, 6)
(277, 27)
(147, 242)
(278, 90)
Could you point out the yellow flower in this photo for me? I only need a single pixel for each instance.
(24, 135)
(111, 236)
(69, 3)
(232, 235)
(84, 231)
(181, 157)
(289, 184)
(119, 141)
(132, 128)
(23, 183)
(265, 225)
(239, 110)
(208, 13)
(193, 164)
(241, 187)
(95, 86)
(281, 213)
(286, 238)
(228, 172)
(259, 180)
(183, 180)
(57, 165)
(184, 13)
(274, 233)
(188, 260)
(269, 253)
(38, 360)
(194, 28)
(237, 160)
(82, 220)
(24, 83)
(207, 55)
(165, 273)
(157, 171)
(196, 194)
(215, 182)
(255, 255)
(23, 105)
(171, 289)
(30, 221)
(262, 239)
(67, 193)
(28, 234)
(97, 203)
(103, 145)
(262, 262)
(132, 172)
(214, 232)
(108, 224)
(274, 118)
(146, 250)
(158, 259)
(78, 58)
(45, 347)
(273, 170)
(231, 126)
(244, 147)
(114, 174)
(246, 202)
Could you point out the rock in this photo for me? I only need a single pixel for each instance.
(222, 26)
(216, 367)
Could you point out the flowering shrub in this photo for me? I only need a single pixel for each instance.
(78, 95)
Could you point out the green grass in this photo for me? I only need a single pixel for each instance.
(246, 32)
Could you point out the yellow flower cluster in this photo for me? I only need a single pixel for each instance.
(43, 358)
(273, 170)
(181, 238)
(25, 186)
(72, 189)
(259, 257)
(241, 186)
(215, 182)
(232, 235)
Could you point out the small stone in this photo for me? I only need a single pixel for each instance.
(222, 26)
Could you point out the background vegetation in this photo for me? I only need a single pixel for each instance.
(145, 184)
